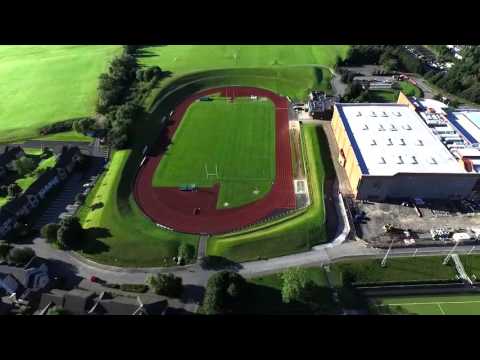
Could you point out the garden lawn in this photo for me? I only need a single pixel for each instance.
(121, 235)
(66, 136)
(43, 84)
(296, 233)
(238, 137)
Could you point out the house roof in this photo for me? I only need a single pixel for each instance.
(55, 296)
(18, 273)
(66, 156)
(41, 181)
(78, 301)
(14, 205)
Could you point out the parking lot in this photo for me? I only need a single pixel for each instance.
(455, 216)
(66, 195)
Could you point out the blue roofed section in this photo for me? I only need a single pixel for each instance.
(353, 142)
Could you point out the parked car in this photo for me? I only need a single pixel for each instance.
(97, 280)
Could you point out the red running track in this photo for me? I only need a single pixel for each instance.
(173, 208)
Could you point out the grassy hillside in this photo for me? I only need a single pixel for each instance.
(181, 59)
(45, 84)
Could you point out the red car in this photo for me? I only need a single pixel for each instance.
(97, 280)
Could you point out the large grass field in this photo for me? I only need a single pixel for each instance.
(238, 137)
(430, 305)
(45, 84)
(296, 233)
(291, 70)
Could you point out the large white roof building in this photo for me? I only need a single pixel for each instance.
(392, 138)
(389, 152)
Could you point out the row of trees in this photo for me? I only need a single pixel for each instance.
(391, 57)
(119, 95)
(462, 79)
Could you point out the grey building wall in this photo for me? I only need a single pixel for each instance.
(427, 186)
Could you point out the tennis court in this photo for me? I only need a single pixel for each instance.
(430, 305)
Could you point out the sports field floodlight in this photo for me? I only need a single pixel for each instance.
(384, 260)
(447, 258)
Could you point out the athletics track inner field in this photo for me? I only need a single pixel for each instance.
(173, 208)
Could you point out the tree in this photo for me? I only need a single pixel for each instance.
(224, 291)
(186, 252)
(14, 190)
(21, 256)
(84, 125)
(4, 250)
(3, 190)
(166, 284)
(56, 310)
(70, 233)
(49, 232)
(21, 229)
(24, 165)
(294, 282)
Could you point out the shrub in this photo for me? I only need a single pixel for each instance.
(224, 291)
(80, 198)
(49, 232)
(14, 190)
(58, 127)
(167, 285)
(21, 256)
(4, 250)
(3, 190)
(136, 288)
(294, 281)
(57, 311)
(186, 252)
(70, 233)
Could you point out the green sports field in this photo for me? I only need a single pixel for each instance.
(236, 138)
(430, 305)
(46, 84)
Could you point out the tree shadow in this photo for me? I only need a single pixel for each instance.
(219, 263)
(97, 206)
(92, 244)
(192, 294)
(64, 275)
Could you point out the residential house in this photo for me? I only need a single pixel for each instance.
(26, 283)
(83, 302)
(31, 198)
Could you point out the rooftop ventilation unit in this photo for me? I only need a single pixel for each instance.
(420, 142)
(359, 114)
(398, 113)
(381, 128)
(392, 127)
(365, 127)
(390, 142)
(433, 161)
(382, 160)
(414, 160)
(407, 127)
(384, 114)
(400, 160)
(373, 114)
(402, 142)
(373, 142)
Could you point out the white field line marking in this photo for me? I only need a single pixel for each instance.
(433, 303)
(441, 310)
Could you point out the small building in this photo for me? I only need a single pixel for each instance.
(320, 105)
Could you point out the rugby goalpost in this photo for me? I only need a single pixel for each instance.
(209, 174)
